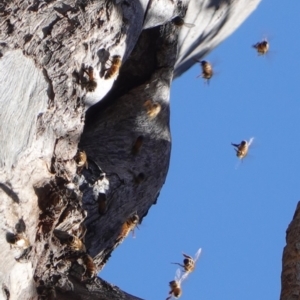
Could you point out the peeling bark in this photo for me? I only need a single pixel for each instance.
(290, 279)
(60, 92)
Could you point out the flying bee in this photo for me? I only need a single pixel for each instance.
(242, 148)
(19, 240)
(113, 70)
(153, 109)
(178, 21)
(128, 226)
(91, 84)
(262, 47)
(189, 262)
(90, 267)
(207, 70)
(137, 145)
(175, 285)
(81, 159)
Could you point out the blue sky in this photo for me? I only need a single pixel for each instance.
(238, 216)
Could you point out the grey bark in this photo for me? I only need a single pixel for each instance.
(290, 276)
(50, 107)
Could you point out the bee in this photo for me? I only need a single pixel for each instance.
(113, 70)
(91, 84)
(178, 21)
(242, 148)
(175, 285)
(139, 178)
(128, 226)
(189, 262)
(102, 203)
(81, 159)
(71, 241)
(153, 109)
(19, 240)
(262, 47)
(137, 145)
(90, 267)
(207, 70)
(76, 244)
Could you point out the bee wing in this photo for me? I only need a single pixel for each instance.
(183, 277)
(178, 275)
(250, 141)
(188, 25)
(197, 254)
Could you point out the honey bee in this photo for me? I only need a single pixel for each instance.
(137, 145)
(242, 148)
(113, 70)
(90, 267)
(19, 240)
(81, 159)
(207, 70)
(262, 47)
(128, 226)
(91, 84)
(178, 21)
(76, 244)
(189, 262)
(71, 241)
(102, 203)
(175, 285)
(139, 178)
(153, 109)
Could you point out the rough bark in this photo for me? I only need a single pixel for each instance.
(48, 51)
(290, 279)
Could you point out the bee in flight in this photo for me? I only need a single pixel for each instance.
(262, 47)
(189, 262)
(242, 148)
(175, 285)
(178, 21)
(207, 70)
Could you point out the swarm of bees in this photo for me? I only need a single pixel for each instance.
(113, 70)
(262, 47)
(242, 148)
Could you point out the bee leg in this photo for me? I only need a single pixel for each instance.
(235, 145)
(178, 264)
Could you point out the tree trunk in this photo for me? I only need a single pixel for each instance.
(62, 216)
(290, 276)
